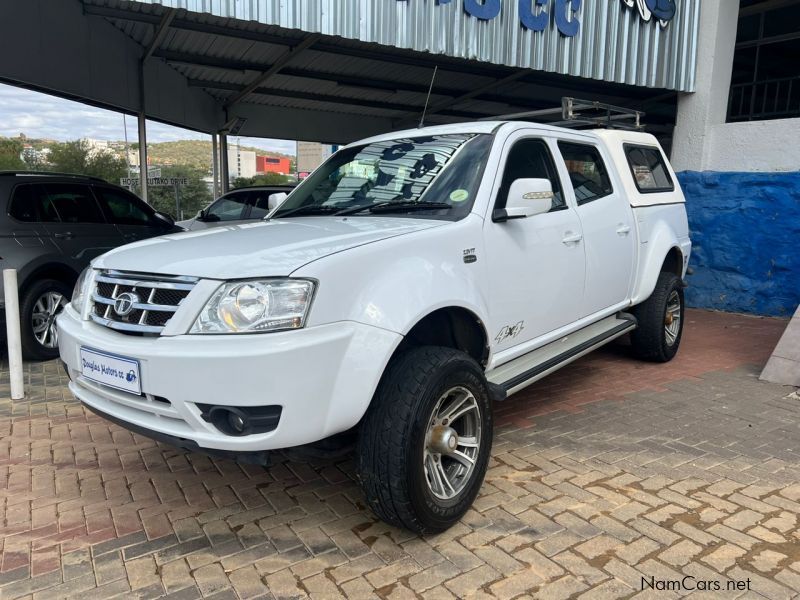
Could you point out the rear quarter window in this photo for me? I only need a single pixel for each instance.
(648, 169)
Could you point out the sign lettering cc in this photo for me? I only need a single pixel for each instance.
(535, 14)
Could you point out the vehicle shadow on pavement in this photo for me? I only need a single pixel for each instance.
(603, 473)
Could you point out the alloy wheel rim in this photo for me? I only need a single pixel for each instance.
(452, 443)
(43, 318)
(672, 318)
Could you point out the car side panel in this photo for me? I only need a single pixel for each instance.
(660, 228)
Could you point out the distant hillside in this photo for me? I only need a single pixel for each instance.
(193, 153)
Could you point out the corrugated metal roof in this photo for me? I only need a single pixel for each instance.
(614, 43)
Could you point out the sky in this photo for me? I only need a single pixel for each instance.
(40, 115)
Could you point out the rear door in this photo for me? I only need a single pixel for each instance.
(132, 217)
(607, 222)
(25, 224)
(73, 218)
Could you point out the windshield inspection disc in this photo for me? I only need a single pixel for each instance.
(459, 195)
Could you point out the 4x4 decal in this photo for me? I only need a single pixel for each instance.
(509, 332)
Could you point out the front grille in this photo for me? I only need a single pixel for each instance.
(137, 303)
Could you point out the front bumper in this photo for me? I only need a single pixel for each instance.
(323, 378)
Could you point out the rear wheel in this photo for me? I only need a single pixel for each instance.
(39, 306)
(660, 317)
(424, 444)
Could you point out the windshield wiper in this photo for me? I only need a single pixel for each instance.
(309, 209)
(396, 206)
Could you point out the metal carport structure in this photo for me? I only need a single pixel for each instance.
(338, 70)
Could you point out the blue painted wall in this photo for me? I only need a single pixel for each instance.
(745, 230)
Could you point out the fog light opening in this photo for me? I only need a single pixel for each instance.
(230, 420)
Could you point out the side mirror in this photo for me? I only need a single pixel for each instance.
(165, 218)
(201, 215)
(273, 200)
(526, 198)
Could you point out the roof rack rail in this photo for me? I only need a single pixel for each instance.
(54, 174)
(576, 113)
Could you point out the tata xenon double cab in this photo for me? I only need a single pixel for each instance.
(411, 281)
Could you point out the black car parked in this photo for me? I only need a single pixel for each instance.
(53, 225)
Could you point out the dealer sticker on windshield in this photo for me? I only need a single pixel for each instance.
(111, 370)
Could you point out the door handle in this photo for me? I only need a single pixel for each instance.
(572, 238)
(623, 229)
(66, 235)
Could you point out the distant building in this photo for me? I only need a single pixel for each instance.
(32, 156)
(273, 164)
(241, 163)
(310, 155)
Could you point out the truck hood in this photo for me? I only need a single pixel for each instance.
(261, 249)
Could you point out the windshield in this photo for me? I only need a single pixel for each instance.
(429, 177)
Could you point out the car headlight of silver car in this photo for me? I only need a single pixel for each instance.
(256, 306)
(80, 291)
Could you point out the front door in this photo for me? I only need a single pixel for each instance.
(74, 221)
(132, 217)
(536, 266)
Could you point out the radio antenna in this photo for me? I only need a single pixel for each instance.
(428, 99)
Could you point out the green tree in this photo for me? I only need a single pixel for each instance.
(78, 157)
(192, 197)
(262, 179)
(10, 151)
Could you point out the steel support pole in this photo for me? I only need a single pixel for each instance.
(143, 156)
(13, 333)
(215, 166)
(225, 174)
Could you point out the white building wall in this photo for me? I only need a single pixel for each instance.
(763, 146)
(707, 107)
(703, 141)
(241, 163)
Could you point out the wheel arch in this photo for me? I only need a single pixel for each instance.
(49, 270)
(453, 327)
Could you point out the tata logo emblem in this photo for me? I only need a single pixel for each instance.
(663, 10)
(123, 304)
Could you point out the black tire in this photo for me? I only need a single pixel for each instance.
(393, 439)
(32, 348)
(651, 340)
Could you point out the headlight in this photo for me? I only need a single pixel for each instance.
(79, 292)
(256, 306)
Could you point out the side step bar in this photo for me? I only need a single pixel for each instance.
(528, 368)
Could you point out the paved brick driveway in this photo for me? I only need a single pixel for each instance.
(603, 474)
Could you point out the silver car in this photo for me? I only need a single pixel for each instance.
(238, 206)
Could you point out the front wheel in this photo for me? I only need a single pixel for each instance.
(38, 308)
(660, 317)
(424, 444)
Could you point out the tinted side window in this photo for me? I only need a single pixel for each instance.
(228, 208)
(648, 169)
(259, 201)
(23, 204)
(73, 203)
(122, 208)
(530, 159)
(587, 171)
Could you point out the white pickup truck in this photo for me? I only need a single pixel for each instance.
(407, 284)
